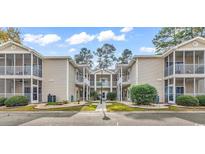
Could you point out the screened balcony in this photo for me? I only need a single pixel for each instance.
(186, 62)
(20, 64)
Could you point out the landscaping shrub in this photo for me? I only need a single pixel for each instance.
(186, 100)
(94, 95)
(201, 99)
(111, 96)
(16, 101)
(143, 94)
(2, 100)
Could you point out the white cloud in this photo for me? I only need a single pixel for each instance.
(147, 49)
(72, 50)
(80, 38)
(41, 39)
(126, 29)
(109, 35)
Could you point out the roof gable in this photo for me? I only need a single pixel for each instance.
(197, 43)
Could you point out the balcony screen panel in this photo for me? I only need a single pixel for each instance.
(2, 85)
(200, 89)
(10, 60)
(19, 60)
(189, 86)
(18, 86)
(27, 64)
(2, 64)
(9, 86)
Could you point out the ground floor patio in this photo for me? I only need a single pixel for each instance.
(29, 87)
(183, 86)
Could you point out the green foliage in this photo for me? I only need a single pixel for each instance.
(111, 96)
(16, 101)
(201, 99)
(10, 34)
(106, 56)
(186, 100)
(84, 57)
(125, 57)
(2, 100)
(94, 95)
(172, 36)
(143, 94)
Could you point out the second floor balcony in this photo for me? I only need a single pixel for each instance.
(185, 69)
(21, 70)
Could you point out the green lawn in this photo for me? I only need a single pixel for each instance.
(86, 107)
(122, 107)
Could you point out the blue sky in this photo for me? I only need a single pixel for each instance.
(68, 41)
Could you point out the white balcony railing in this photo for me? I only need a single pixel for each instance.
(20, 70)
(185, 69)
(98, 83)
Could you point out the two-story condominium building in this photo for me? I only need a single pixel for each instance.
(177, 71)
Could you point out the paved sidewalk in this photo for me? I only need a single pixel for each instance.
(101, 107)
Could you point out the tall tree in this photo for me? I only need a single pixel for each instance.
(106, 56)
(11, 33)
(84, 57)
(125, 57)
(171, 36)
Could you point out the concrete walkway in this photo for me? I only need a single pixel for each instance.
(101, 107)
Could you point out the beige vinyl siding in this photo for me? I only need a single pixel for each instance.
(54, 79)
(151, 72)
(134, 73)
(71, 83)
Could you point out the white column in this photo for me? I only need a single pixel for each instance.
(23, 63)
(184, 86)
(204, 61)
(194, 61)
(111, 82)
(183, 62)
(174, 90)
(83, 84)
(5, 88)
(14, 71)
(174, 61)
(31, 90)
(194, 86)
(168, 90)
(14, 80)
(95, 82)
(23, 86)
(121, 85)
(5, 65)
(31, 64)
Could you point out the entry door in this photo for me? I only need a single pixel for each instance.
(35, 93)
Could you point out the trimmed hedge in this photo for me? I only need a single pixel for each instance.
(111, 96)
(201, 99)
(16, 101)
(143, 94)
(2, 100)
(187, 100)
